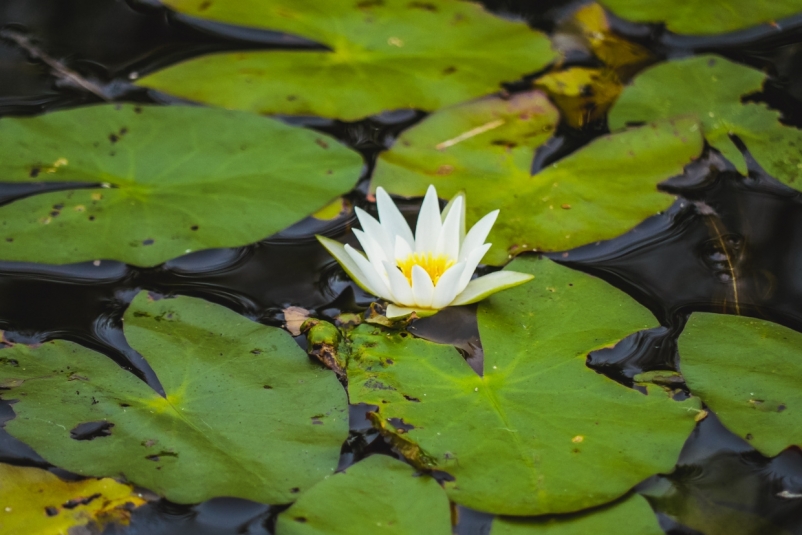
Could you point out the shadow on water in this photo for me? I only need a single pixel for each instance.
(730, 244)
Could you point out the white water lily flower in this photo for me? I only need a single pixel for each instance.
(429, 271)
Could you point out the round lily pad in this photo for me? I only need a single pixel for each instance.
(160, 181)
(634, 513)
(749, 372)
(539, 432)
(243, 402)
(704, 17)
(377, 495)
(711, 90)
(485, 148)
(384, 55)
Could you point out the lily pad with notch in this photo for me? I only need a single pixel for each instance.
(538, 432)
(712, 90)
(749, 372)
(242, 400)
(383, 55)
(160, 181)
(485, 148)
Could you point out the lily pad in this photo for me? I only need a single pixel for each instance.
(35, 502)
(749, 372)
(243, 401)
(704, 17)
(384, 55)
(634, 513)
(539, 432)
(377, 495)
(167, 181)
(485, 148)
(711, 89)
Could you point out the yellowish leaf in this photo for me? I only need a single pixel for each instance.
(35, 502)
(582, 94)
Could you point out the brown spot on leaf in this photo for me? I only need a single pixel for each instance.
(445, 169)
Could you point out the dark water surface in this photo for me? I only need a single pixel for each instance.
(729, 244)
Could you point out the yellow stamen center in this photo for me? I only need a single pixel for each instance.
(435, 266)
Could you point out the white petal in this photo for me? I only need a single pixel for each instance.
(344, 259)
(399, 285)
(391, 218)
(394, 311)
(470, 265)
(402, 248)
(477, 235)
(397, 312)
(422, 287)
(482, 287)
(449, 242)
(375, 230)
(428, 230)
(450, 205)
(447, 286)
(374, 252)
(374, 280)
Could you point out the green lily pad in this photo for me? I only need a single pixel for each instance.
(749, 372)
(539, 432)
(385, 55)
(485, 148)
(176, 179)
(634, 513)
(377, 495)
(704, 17)
(243, 402)
(710, 89)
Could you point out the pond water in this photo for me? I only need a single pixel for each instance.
(727, 245)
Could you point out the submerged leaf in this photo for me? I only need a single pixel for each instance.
(35, 502)
(622, 56)
(376, 495)
(383, 55)
(242, 401)
(711, 89)
(713, 510)
(704, 17)
(539, 432)
(634, 513)
(160, 182)
(749, 372)
(484, 148)
(583, 94)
